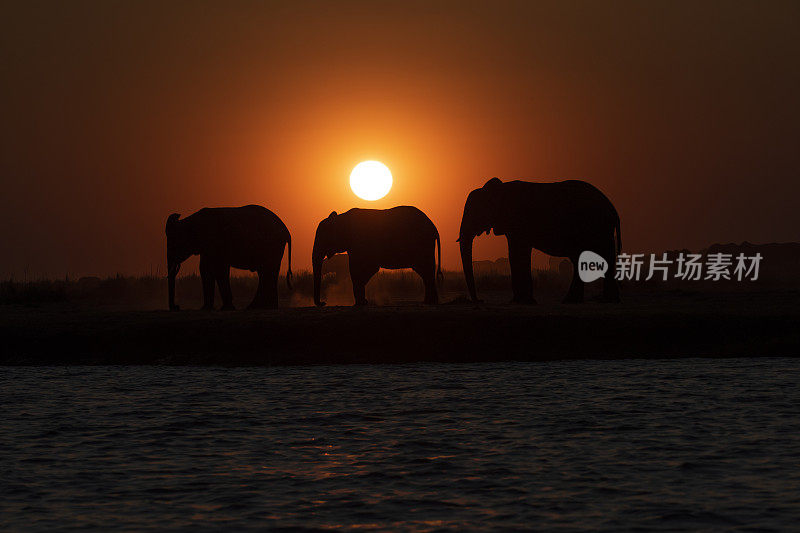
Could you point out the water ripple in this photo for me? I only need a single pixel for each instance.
(600, 445)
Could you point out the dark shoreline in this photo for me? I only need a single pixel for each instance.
(644, 326)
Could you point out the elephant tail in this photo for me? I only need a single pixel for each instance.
(439, 274)
(619, 236)
(289, 265)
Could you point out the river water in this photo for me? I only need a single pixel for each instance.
(602, 445)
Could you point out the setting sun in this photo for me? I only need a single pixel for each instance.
(371, 180)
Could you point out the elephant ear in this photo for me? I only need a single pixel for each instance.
(333, 214)
(494, 200)
(171, 220)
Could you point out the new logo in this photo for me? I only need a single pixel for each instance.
(591, 266)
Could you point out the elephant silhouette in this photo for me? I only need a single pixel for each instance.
(560, 219)
(400, 237)
(250, 238)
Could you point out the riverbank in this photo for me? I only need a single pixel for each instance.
(645, 325)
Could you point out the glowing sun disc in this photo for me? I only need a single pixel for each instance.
(371, 180)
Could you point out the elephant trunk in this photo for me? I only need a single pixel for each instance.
(466, 264)
(172, 273)
(316, 262)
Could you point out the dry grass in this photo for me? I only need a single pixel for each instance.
(385, 288)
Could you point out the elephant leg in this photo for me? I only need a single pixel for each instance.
(224, 283)
(575, 293)
(610, 283)
(519, 257)
(207, 277)
(271, 287)
(266, 296)
(428, 275)
(267, 292)
(360, 276)
(259, 300)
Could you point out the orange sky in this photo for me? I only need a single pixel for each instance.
(115, 115)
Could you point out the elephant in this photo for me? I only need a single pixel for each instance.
(400, 237)
(560, 219)
(249, 237)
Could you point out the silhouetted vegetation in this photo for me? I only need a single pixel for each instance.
(384, 287)
(388, 287)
